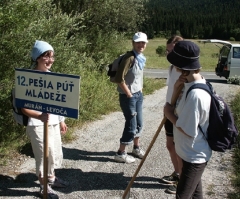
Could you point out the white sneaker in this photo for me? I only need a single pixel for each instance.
(50, 193)
(124, 158)
(138, 153)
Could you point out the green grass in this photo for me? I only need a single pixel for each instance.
(208, 55)
(153, 59)
(150, 85)
(235, 107)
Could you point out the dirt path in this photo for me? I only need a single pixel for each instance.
(89, 166)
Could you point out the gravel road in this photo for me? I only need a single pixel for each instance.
(89, 166)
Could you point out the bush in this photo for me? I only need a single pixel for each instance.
(232, 39)
(22, 22)
(235, 107)
(234, 80)
(161, 50)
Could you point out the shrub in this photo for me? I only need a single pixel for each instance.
(232, 39)
(234, 80)
(22, 22)
(161, 50)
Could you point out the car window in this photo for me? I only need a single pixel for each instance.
(236, 52)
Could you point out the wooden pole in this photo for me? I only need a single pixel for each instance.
(126, 193)
(45, 153)
(127, 190)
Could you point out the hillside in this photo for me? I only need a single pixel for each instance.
(196, 19)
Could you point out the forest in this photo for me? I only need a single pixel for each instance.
(203, 19)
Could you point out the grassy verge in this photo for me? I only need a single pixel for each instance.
(236, 157)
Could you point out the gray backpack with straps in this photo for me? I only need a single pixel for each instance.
(113, 67)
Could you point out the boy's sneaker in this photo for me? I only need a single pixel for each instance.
(138, 153)
(51, 194)
(124, 158)
(58, 183)
(172, 179)
(172, 189)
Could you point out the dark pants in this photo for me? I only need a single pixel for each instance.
(190, 184)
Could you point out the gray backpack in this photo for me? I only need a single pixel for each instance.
(113, 67)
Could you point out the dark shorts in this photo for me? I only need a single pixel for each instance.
(168, 128)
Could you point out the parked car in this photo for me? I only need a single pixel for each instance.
(229, 58)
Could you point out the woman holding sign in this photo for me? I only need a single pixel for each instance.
(43, 58)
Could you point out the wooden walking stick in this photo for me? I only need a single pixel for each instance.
(45, 176)
(126, 193)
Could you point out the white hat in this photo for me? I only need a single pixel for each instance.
(140, 36)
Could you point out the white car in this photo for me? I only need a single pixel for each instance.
(229, 58)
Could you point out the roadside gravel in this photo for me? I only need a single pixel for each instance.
(89, 166)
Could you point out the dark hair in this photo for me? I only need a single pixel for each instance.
(43, 54)
(186, 72)
(47, 53)
(174, 39)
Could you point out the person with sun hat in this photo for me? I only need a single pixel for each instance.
(188, 113)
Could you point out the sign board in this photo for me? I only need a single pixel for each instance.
(47, 92)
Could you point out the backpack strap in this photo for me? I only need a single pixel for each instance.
(206, 87)
(133, 59)
(202, 132)
(133, 56)
(125, 55)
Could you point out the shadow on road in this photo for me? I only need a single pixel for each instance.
(79, 181)
(12, 187)
(76, 154)
(222, 81)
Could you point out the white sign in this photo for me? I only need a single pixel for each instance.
(47, 92)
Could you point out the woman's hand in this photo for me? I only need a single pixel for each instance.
(44, 117)
(168, 109)
(63, 127)
(179, 83)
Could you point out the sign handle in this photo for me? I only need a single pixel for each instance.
(45, 153)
